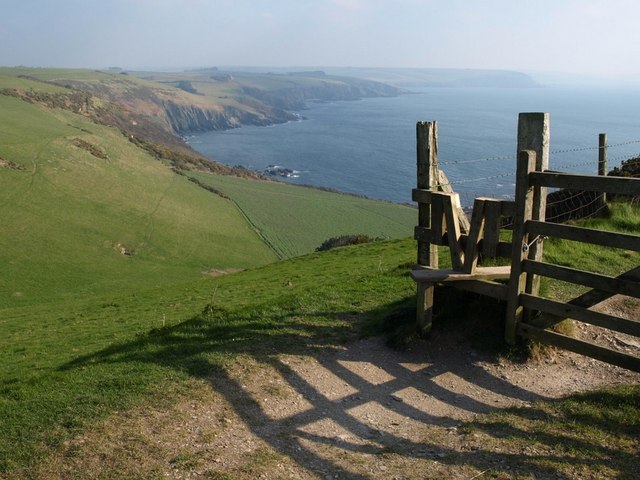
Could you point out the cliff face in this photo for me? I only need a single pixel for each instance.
(267, 107)
(190, 118)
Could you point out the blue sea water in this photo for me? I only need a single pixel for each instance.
(368, 147)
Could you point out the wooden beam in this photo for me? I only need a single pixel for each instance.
(452, 275)
(445, 186)
(586, 300)
(585, 235)
(524, 208)
(589, 279)
(582, 347)
(487, 288)
(450, 205)
(476, 233)
(534, 134)
(493, 217)
(619, 185)
(427, 173)
(438, 224)
(421, 195)
(566, 310)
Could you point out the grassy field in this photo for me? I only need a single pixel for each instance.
(66, 366)
(74, 224)
(54, 383)
(295, 220)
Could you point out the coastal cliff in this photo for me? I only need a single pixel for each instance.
(185, 118)
(268, 101)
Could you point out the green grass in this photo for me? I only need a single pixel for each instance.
(67, 215)
(64, 367)
(624, 218)
(587, 435)
(296, 220)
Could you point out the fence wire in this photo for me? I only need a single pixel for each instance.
(588, 163)
(562, 205)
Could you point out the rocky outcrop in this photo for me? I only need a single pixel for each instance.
(191, 118)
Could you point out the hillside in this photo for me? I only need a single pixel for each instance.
(442, 77)
(87, 209)
(204, 100)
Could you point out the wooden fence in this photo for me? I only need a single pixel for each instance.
(521, 303)
(529, 315)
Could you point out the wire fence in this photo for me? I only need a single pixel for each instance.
(562, 205)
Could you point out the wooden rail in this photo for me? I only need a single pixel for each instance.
(521, 303)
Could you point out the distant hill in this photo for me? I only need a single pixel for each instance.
(441, 77)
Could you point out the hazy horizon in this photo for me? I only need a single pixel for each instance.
(594, 39)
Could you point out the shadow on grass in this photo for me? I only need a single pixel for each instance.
(416, 389)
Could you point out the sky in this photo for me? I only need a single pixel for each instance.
(598, 38)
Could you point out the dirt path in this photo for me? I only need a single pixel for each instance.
(363, 411)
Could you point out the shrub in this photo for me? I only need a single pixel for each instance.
(628, 168)
(342, 241)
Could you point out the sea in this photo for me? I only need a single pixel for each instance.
(368, 147)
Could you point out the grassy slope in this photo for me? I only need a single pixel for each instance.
(66, 212)
(118, 359)
(67, 365)
(296, 220)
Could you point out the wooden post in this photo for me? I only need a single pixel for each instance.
(427, 148)
(427, 163)
(533, 134)
(523, 213)
(602, 164)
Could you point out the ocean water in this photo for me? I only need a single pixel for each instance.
(368, 147)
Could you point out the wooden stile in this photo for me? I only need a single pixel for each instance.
(481, 238)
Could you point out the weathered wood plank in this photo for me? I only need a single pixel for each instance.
(507, 208)
(476, 234)
(524, 208)
(452, 275)
(585, 235)
(424, 311)
(422, 234)
(581, 277)
(421, 195)
(534, 134)
(450, 205)
(492, 212)
(582, 347)
(445, 186)
(487, 288)
(566, 310)
(437, 219)
(586, 300)
(619, 185)
(427, 173)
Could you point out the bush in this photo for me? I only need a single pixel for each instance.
(628, 168)
(342, 241)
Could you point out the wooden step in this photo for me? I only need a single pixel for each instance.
(430, 275)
